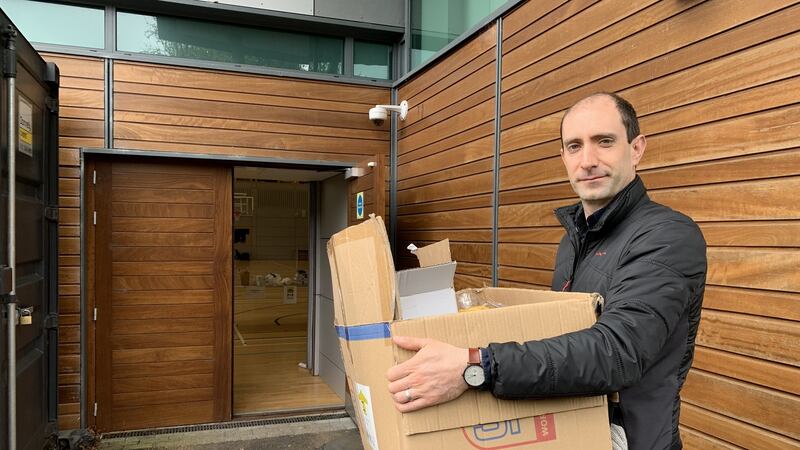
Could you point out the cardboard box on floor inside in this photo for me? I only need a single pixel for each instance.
(365, 287)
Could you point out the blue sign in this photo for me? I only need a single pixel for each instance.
(360, 205)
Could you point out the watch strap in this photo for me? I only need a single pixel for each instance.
(474, 356)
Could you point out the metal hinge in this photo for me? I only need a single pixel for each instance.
(51, 213)
(94, 315)
(94, 177)
(94, 217)
(52, 104)
(95, 409)
(51, 321)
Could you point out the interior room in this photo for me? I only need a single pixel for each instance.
(272, 365)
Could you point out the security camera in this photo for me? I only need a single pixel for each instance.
(380, 113)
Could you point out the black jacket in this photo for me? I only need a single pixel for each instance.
(649, 263)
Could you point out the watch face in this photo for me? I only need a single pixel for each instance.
(474, 375)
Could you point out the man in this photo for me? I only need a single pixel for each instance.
(646, 260)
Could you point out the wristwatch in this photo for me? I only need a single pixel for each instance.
(473, 374)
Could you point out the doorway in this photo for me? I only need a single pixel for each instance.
(274, 240)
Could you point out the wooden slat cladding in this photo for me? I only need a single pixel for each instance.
(81, 115)
(163, 294)
(445, 153)
(200, 111)
(709, 155)
(717, 89)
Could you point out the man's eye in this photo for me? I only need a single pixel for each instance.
(572, 148)
(607, 142)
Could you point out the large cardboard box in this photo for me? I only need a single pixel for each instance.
(365, 297)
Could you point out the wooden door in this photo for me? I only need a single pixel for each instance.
(162, 280)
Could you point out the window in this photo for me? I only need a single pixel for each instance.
(51, 23)
(372, 60)
(434, 24)
(194, 39)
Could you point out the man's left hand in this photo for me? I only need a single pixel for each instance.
(434, 375)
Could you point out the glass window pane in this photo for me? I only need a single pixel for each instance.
(194, 39)
(372, 60)
(434, 24)
(50, 23)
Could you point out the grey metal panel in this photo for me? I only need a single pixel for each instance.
(384, 12)
(324, 273)
(332, 217)
(332, 376)
(243, 15)
(289, 6)
(328, 339)
(333, 212)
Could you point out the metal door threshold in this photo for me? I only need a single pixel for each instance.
(341, 414)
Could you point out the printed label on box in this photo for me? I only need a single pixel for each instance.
(365, 405)
(512, 433)
(289, 295)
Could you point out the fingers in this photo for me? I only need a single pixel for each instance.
(409, 343)
(407, 400)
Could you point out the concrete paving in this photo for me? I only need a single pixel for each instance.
(323, 434)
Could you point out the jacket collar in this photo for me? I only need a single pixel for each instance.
(619, 207)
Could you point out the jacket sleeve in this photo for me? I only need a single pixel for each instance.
(647, 296)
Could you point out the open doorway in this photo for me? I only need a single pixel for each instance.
(274, 213)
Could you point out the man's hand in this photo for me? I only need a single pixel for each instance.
(434, 375)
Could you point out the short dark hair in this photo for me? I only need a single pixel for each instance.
(626, 112)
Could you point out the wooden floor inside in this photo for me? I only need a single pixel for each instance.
(270, 338)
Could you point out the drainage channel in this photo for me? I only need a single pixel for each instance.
(225, 425)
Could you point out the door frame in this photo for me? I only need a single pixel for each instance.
(89, 157)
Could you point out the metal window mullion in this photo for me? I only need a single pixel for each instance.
(393, 180)
(349, 57)
(496, 164)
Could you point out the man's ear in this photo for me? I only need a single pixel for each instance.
(638, 145)
(562, 153)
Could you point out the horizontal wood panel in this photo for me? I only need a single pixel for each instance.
(162, 253)
(161, 297)
(169, 368)
(157, 416)
(161, 340)
(540, 256)
(771, 339)
(758, 371)
(540, 277)
(163, 397)
(158, 282)
(222, 81)
(766, 408)
(124, 209)
(165, 312)
(244, 138)
(731, 430)
(692, 438)
(238, 97)
(246, 123)
(137, 239)
(161, 325)
(761, 268)
(162, 383)
(162, 268)
(128, 176)
(780, 305)
(159, 355)
(162, 224)
(454, 220)
(170, 196)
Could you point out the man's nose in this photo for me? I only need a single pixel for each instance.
(589, 157)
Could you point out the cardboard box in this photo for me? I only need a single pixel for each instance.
(365, 298)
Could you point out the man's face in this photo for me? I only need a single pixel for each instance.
(599, 160)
